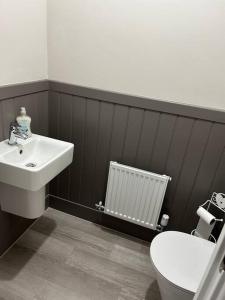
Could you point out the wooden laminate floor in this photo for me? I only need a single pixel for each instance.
(62, 257)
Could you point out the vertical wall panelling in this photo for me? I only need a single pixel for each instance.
(78, 134)
(217, 184)
(218, 180)
(147, 138)
(119, 128)
(179, 145)
(206, 173)
(190, 168)
(184, 142)
(162, 142)
(43, 114)
(103, 148)
(53, 113)
(53, 127)
(64, 132)
(90, 152)
(187, 144)
(1, 121)
(79, 129)
(133, 133)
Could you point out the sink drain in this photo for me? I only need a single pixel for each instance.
(31, 165)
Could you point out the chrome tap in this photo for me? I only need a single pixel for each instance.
(15, 132)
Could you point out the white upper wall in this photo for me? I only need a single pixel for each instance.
(170, 50)
(23, 36)
(165, 49)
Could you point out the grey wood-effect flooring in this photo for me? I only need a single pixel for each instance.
(62, 257)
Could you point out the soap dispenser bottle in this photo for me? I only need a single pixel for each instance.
(24, 121)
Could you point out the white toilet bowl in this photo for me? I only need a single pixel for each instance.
(179, 260)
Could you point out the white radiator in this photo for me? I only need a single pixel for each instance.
(135, 195)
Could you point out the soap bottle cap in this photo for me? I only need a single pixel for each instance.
(23, 111)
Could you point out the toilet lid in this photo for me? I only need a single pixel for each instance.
(181, 258)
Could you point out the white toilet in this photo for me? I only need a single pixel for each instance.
(179, 260)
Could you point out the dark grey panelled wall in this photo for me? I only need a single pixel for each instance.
(184, 142)
(181, 141)
(34, 96)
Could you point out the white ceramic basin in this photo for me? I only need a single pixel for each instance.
(48, 156)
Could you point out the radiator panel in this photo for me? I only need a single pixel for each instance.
(135, 195)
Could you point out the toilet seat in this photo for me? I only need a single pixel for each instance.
(181, 258)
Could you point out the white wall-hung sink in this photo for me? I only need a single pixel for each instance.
(26, 168)
(34, 162)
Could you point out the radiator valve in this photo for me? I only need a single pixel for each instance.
(99, 206)
(163, 223)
